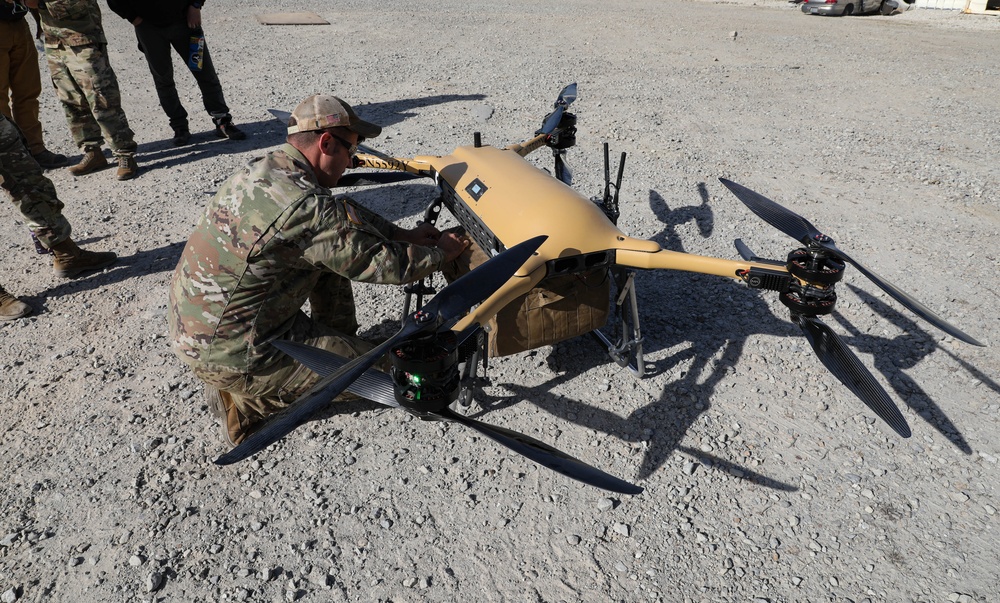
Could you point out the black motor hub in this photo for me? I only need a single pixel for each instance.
(811, 292)
(425, 372)
(564, 136)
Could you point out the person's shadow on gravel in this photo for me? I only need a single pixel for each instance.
(140, 263)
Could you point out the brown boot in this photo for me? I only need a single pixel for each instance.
(70, 261)
(127, 167)
(93, 160)
(12, 308)
(235, 425)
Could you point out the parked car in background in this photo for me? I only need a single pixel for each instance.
(854, 7)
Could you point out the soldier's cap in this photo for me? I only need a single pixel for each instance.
(321, 111)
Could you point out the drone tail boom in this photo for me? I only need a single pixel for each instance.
(674, 260)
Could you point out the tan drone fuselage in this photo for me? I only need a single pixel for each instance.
(517, 201)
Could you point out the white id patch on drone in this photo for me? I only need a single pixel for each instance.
(476, 189)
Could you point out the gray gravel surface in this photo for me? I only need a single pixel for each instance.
(765, 479)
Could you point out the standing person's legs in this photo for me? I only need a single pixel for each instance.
(208, 83)
(32, 193)
(19, 76)
(97, 80)
(82, 125)
(156, 43)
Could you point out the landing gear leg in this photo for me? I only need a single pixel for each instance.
(626, 349)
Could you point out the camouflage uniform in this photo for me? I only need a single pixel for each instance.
(32, 193)
(76, 50)
(271, 239)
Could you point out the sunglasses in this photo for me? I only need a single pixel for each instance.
(352, 149)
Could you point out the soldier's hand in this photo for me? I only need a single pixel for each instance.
(194, 17)
(452, 245)
(33, 4)
(424, 235)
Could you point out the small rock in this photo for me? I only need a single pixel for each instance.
(135, 561)
(153, 581)
(573, 539)
(622, 529)
(9, 596)
(604, 504)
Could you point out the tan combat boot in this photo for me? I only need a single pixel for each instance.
(93, 160)
(235, 425)
(127, 167)
(70, 261)
(12, 308)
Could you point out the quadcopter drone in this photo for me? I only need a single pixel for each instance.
(535, 226)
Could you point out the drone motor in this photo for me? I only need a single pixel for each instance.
(811, 292)
(425, 373)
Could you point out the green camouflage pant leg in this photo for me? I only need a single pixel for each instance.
(331, 304)
(88, 89)
(265, 391)
(32, 193)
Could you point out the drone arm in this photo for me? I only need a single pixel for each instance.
(518, 285)
(528, 146)
(370, 158)
(675, 260)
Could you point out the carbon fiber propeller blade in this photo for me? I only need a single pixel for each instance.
(456, 298)
(566, 98)
(803, 231)
(903, 298)
(545, 455)
(777, 216)
(846, 367)
(564, 173)
(371, 385)
(377, 387)
(473, 287)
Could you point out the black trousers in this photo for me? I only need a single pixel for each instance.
(156, 43)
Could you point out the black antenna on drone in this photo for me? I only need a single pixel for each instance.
(609, 203)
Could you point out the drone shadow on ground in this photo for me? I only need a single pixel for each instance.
(271, 132)
(664, 422)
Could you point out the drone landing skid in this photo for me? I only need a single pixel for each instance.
(626, 349)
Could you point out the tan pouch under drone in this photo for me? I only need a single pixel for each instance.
(559, 308)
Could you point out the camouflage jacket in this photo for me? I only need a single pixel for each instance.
(264, 241)
(71, 23)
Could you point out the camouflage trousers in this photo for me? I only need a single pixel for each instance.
(88, 89)
(32, 193)
(262, 391)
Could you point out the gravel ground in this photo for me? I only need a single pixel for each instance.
(765, 479)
